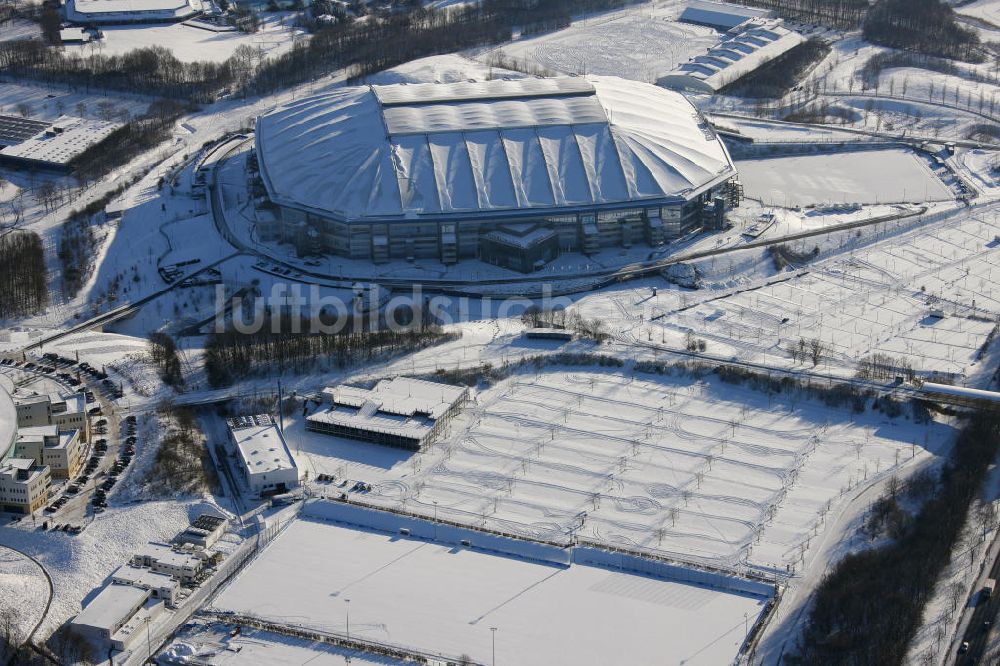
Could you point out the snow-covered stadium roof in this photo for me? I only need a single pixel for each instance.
(8, 417)
(385, 152)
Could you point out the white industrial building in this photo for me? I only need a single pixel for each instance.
(117, 616)
(511, 172)
(108, 12)
(743, 49)
(55, 146)
(204, 532)
(265, 463)
(183, 563)
(401, 412)
(160, 585)
(721, 16)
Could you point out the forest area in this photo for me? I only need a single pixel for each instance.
(870, 605)
(23, 288)
(281, 345)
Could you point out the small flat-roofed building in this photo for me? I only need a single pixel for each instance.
(547, 333)
(402, 412)
(111, 610)
(205, 531)
(48, 445)
(160, 585)
(266, 464)
(165, 559)
(24, 485)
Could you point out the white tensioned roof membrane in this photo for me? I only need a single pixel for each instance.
(426, 149)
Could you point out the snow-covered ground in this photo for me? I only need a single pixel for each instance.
(441, 599)
(641, 42)
(78, 564)
(871, 176)
(23, 592)
(212, 644)
(192, 44)
(694, 470)
(876, 298)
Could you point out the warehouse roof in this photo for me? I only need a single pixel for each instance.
(112, 606)
(261, 445)
(410, 149)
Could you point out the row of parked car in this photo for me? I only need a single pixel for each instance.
(128, 429)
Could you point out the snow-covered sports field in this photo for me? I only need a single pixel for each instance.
(694, 470)
(871, 176)
(436, 598)
(641, 43)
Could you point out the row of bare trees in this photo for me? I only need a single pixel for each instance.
(23, 288)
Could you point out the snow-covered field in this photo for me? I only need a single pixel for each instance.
(643, 43)
(441, 599)
(192, 44)
(695, 470)
(47, 103)
(985, 10)
(871, 176)
(211, 644)
(23, 592)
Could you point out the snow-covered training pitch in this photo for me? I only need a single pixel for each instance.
(441, 599)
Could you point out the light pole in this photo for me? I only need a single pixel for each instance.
(746, 626)
(435, 520)
(149, 647)
(493, 630)
(348, 603)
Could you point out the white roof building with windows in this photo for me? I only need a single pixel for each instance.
(751, 44)
(266, 464)
(400, 412)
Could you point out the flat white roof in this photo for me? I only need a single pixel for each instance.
(167, 555)
(77, 9)
(261, 445)
(403, 406)
(960, 391)
(111, 605)
(63, 140)
(400, 151)
(719, 14)
(143, 577)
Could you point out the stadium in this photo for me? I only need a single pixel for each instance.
(513, 172)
